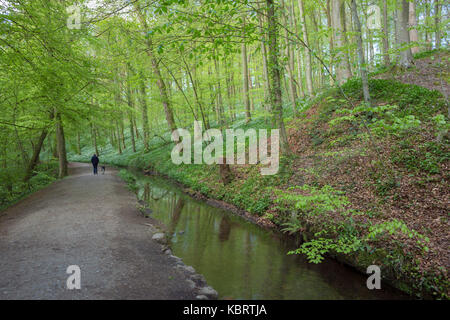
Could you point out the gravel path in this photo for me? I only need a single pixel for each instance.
(89, 221)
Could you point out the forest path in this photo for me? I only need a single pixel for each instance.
(89, 221)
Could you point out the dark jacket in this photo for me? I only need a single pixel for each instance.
(95, 160)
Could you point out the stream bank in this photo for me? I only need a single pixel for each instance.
(239, 258)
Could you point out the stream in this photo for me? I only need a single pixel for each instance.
(242, 260)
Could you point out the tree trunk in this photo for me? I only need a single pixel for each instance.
(35, 157)
(264, 60)
(437, 21)
(362, 63)
(245, 88)
(78, 143)
(403, 35)
(94, 138)
(290, 58)
(308, 71)
(341, 60)
(143, 97)
(219, 92)
(61, 145)
(413, 34)
(275, 79)
(130, 113)
(427, 17)
(122, 129)
(118, 137)
(159, 79)
(387, 60)
(298, 56)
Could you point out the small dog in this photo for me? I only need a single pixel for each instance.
(103, 169)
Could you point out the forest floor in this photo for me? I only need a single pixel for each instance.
(89, 221)
(431, 72)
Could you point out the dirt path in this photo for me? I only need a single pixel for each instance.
(89, 221)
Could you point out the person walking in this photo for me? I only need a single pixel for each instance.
(95, 160)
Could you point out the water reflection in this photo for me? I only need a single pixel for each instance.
(243, 261)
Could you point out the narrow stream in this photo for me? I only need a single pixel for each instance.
(242, 260)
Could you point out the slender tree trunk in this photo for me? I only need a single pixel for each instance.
(219, 91)
(427, 17)
(347, 66)
(118, 137)
(138, 136)
(229, 91)
(413, 34)
(371, 55)
(196, 94)
(35, 157)
(298, 56)
(20, 146)
(266, 84)
(122, 129)
(94, 138)
(362, 63)
(159, 78)
(387, 60)
(308, 62)
(329, 24)
(437, 21)
(143, 96)
(245, 87)
(275, 78)
(111, 138)
(61, 145)
(290, 59)
(130, 102)
(78, 143)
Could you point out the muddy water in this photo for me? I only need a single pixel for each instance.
(242, 260)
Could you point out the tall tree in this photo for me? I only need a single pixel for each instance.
(385, 29)
(308, 62)
(437, 23)
(343, 71)
(406, 57)
(413, 33)
(245, 86)
(362, 62)
(275, 78)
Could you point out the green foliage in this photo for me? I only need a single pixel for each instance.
(311, 200)
(425, 157)
(410, 99)
(429, 53)
(395, 226)
(316, 249)
(13, 188)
